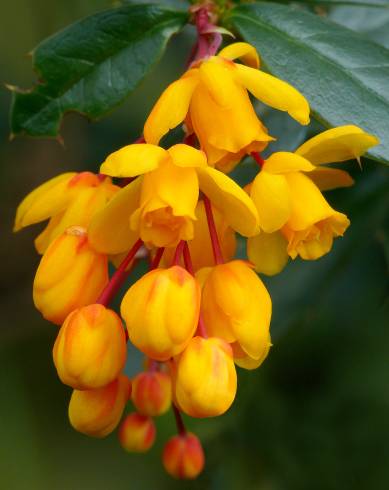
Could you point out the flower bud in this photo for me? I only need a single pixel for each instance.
(237, 307)
(90, 349)
(152, 393)
(97, 412)
(161, 311)
(205, 378)
(183, 456)
(71, 274)
(137, 433)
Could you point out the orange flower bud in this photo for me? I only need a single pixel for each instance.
(90, 350)
(152, 393)
(161, 311)
(97, 412)
(246, 362)
(137, 433)
(70, 275)
(237, 307)
(183, 456)
(205, 378)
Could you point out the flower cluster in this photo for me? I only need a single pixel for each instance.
(198, 312)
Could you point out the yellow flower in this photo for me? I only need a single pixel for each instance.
(161, 311)
(237, 307)
(71, 274)
(243, 360)
(97, 412)
(205, 378)
(69, 199)
(160, 205)
(294, 217)
(213, 100)
(90, 350)
(137, 433)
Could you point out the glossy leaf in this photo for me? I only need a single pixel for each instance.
(343, 74)
(92, 65)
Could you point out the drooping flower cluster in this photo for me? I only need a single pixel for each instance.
(198, 312)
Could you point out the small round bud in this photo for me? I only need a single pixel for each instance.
(97, 412)
(71, 274)
(161, 312)
(183, 456)
(205, 378)
(90, 349)
(152, 393)
(137, 433)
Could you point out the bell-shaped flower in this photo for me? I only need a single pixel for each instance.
(69, 199)
(183, 456)
(137, 433)
(71, 274)
(212, 97)
(236, 307)
(204, 379)
(90, 350)
(97, 412)
(161, 311)
(152, 393)
(294, 217)
(160, 205)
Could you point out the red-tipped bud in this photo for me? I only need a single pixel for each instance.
(90, 350)
(152, 393)
(137, 433)
(183, 456)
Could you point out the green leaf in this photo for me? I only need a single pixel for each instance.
(92, 65)
(354, 3)
(343, 75)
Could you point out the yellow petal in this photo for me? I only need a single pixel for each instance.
(133, 160)
(109, 231)
(270, 193)
(247, 53)
(337, 145)
(170, 109)
(230, 199)
(307, 202)
(274, 92)
(187, 156)
(330, 178)
(43, 202)
(284, 161)
(268, 252)
(217, 76)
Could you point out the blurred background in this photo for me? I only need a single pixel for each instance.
(315, 416)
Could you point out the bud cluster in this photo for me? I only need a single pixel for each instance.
(198, 312)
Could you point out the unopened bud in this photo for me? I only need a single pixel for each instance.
(97, 412)
(71, 274)
(161, 311)
(137, 433)
(90, 349)
(152, 393)
(183, 456)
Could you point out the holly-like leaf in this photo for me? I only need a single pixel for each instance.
(92, 65)
(343, 75)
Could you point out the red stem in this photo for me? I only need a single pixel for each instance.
(179, 422)
(119, 276)
(178, 252)
(217, 251)
(157, 258)
(257, 157)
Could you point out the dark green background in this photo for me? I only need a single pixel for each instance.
(315, 416)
